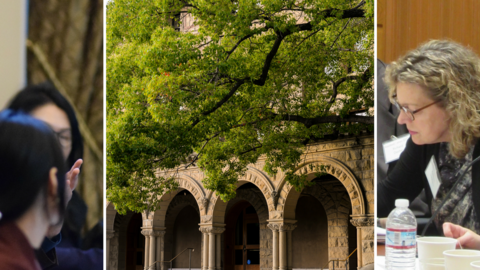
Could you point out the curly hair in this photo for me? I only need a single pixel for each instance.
(450, 74)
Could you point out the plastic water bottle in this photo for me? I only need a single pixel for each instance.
(400, 244)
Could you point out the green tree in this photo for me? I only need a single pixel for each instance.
(258, 77)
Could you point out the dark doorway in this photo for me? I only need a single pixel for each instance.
(135, 244)
(242, 238)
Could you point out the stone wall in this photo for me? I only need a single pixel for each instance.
(349, 197)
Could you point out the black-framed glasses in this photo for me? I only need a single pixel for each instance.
(64, 137)
(408, 111)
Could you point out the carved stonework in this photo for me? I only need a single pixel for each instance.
(213, 230)
(206, 219)
(362, 222)
(275, 198)
(204, 202)
(287, 227)
(159, 233)
(218, 230)
(274, 226)
(147, 232)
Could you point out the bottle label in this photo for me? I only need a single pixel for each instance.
(400, 238)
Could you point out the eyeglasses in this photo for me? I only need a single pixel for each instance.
(64, 137)
(408, 111)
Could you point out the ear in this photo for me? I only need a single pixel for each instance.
(52, 194)
(52, 183)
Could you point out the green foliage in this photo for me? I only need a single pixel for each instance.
(256, 78)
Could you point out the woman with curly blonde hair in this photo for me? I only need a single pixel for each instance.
(436, 87)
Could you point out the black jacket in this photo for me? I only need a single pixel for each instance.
(408, 178)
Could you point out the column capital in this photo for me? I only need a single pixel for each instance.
(212, 229)
(147, 232)
(363, 221)
(274, 226)
(282, 225)
(159, 233)
(287, 227)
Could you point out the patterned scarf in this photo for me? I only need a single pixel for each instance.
(459, 208)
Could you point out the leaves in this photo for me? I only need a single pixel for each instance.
(254, 79)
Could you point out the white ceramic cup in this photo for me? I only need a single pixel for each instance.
(432, 264)
(475, 265)
(433, 247)
(460, 258)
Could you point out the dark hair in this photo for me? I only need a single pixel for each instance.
(38, 95)
(28, 150)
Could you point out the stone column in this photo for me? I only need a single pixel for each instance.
(205, 248)
(284, 245)
(160, 235)
(274, 227)
(110, 235)
(365, 239)
(283, 249)
(290, 251)
(211, 250)
(218, 247)
(147, 247)
(152, 251)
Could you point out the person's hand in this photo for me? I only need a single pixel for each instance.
(465, 237)
(71, 181)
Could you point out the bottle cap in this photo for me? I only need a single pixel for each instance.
(401, 203)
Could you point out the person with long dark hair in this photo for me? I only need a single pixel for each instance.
(45, 103)
(32, 187)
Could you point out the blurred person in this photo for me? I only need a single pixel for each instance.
(436, 88)
(32, 188)
(45, 103)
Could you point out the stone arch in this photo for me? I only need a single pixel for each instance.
(288, 197)
(254, 199)
(335, 201)
(217, 207)
(157, 219)
(177, 204)
(118, 242)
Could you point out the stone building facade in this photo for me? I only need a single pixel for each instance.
(268, 225)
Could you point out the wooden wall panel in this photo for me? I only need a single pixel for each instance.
(402, 25)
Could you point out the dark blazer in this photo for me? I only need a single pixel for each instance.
(386, 122)
(408, 178)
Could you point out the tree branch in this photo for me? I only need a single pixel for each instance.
(345, 26)
(268, 60)
(251, 149)
(337, 83)
(221, 102)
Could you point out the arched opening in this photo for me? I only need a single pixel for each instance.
(242, 238)
(310, 238)
(324, 231)
(135, 248)
(181, 220)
